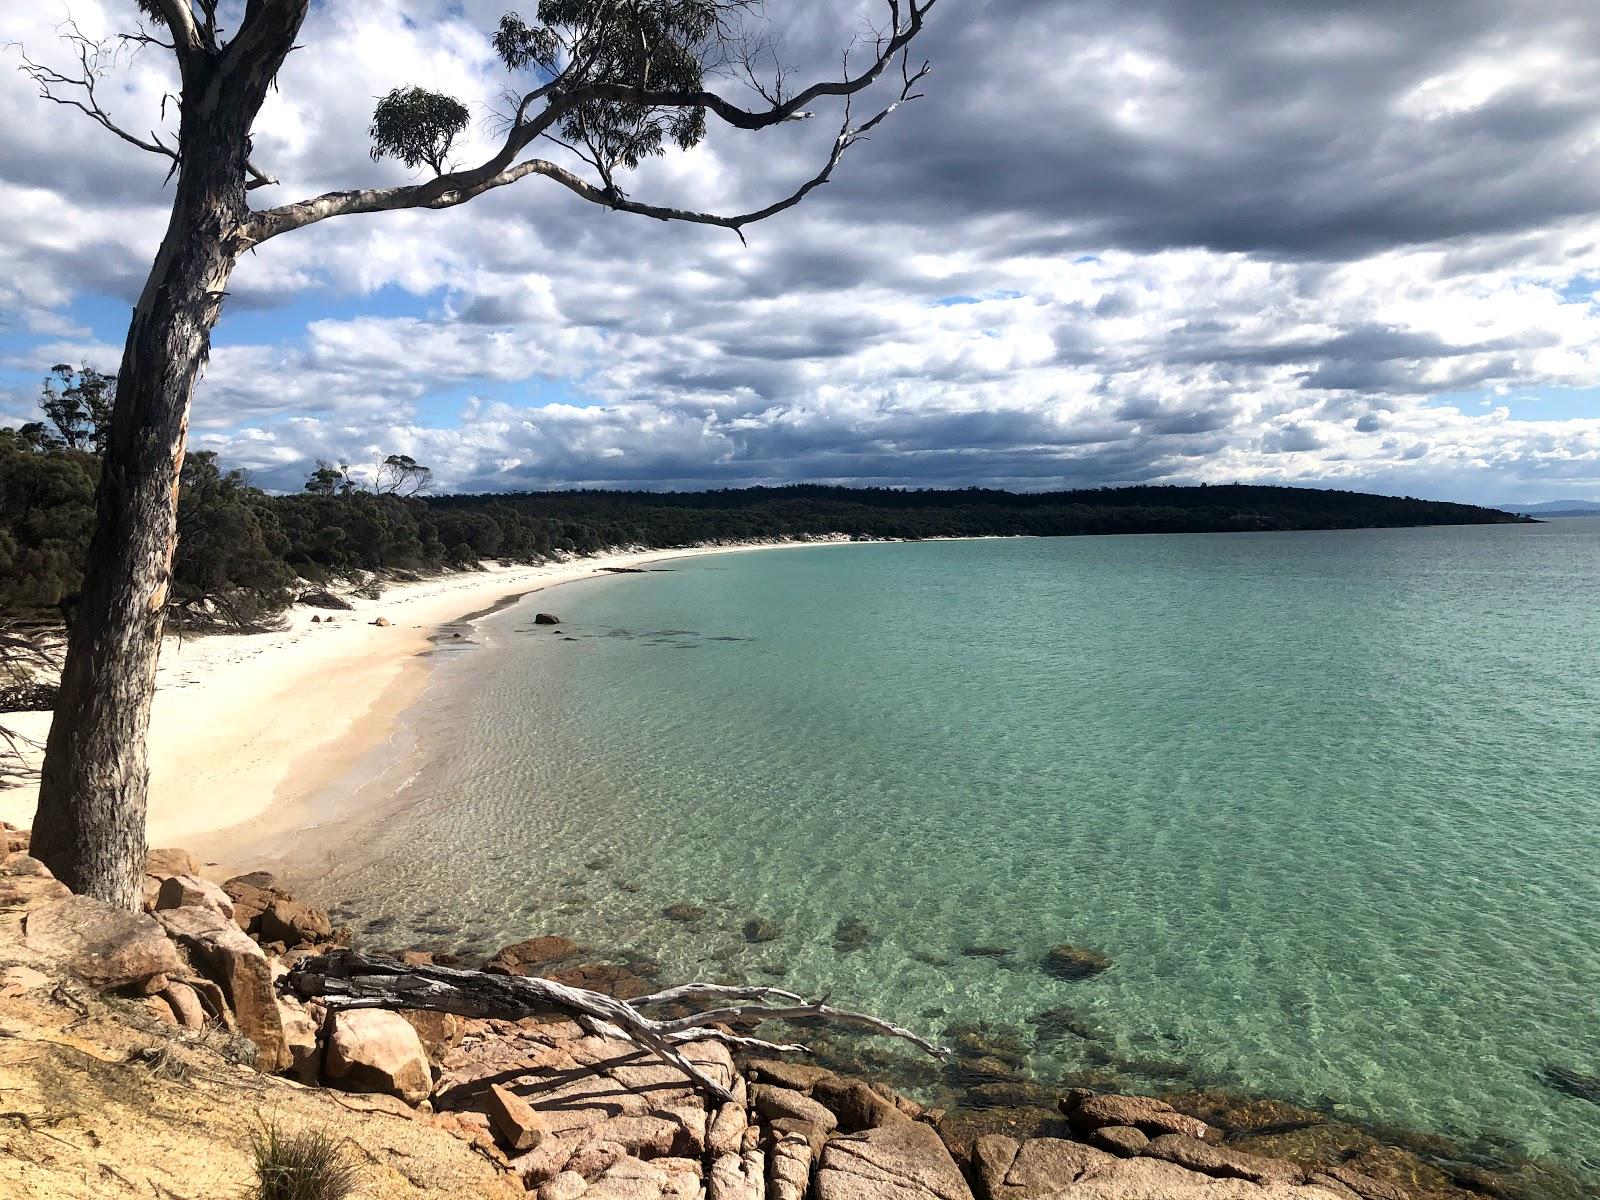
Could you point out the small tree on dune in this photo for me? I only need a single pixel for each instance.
(613, 81)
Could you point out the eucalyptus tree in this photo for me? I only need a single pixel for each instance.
(78, 403)
(613, 82)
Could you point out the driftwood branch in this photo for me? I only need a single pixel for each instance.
(347, 979)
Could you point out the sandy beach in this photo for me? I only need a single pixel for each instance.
(245, 728)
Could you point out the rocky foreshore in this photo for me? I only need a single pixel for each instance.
(547, 1106)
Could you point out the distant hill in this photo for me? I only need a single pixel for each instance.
(684, 518)
(1556, 508)
(243, 555)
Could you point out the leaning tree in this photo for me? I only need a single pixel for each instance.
(611, 82)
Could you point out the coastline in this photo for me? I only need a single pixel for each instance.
(246, 728)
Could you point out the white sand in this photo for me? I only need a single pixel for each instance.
(244, 729)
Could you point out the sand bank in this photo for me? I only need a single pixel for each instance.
(246, 728)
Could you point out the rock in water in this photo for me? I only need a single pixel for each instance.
(546, 619)
(371, 1050)
(106, 947)
(1152, 1116)
(1573, 1083)
(851, 933)
(683, 912)
(522, 958)
(759, 929)
(1074, 962)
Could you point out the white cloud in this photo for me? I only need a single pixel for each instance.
(1247, 245)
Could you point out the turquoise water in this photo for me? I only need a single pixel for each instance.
(1330, 801)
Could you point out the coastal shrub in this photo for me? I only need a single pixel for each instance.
(304, 1165)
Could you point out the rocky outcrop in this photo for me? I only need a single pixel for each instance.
(546, 619)
(1120, 1139)
(1088, 1111)
(181, 891)
(106, 947)
(223, 953)
(370, 1050)
(856, 1105)
(1221, 1162)
(1056, 1169)
(904, 1161)
(252, 895)
(570, 1113)
(294, 924)
(776, 1103)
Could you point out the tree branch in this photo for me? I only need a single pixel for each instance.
(52, 84)
(347, 979)
(887, 50)
(457, 187)
(186, 38)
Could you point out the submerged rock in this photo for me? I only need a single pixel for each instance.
(683, 912)
(981, 951)
(524, 957)
(851, 934)
(613, 979)
(1570, 1082)
(759, 929)
(984, 1041)
(1064, 1021)
(1021, 1093)
(1074, 962)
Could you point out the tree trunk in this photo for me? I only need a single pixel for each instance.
(89, 828)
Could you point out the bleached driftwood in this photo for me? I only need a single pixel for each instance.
(347, 979)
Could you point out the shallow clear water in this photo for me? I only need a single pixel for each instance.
(1330, 801)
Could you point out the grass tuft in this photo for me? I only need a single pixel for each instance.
(308, 1165)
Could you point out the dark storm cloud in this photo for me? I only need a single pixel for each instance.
(1294, 130)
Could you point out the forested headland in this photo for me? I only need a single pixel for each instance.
(244, 554)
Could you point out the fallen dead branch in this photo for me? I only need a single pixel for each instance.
(346, 979)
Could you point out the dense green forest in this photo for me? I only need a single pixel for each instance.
(244, 555)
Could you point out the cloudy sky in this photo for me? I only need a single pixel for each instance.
(1344, 242)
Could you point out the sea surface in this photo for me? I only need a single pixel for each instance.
(1329, 801)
